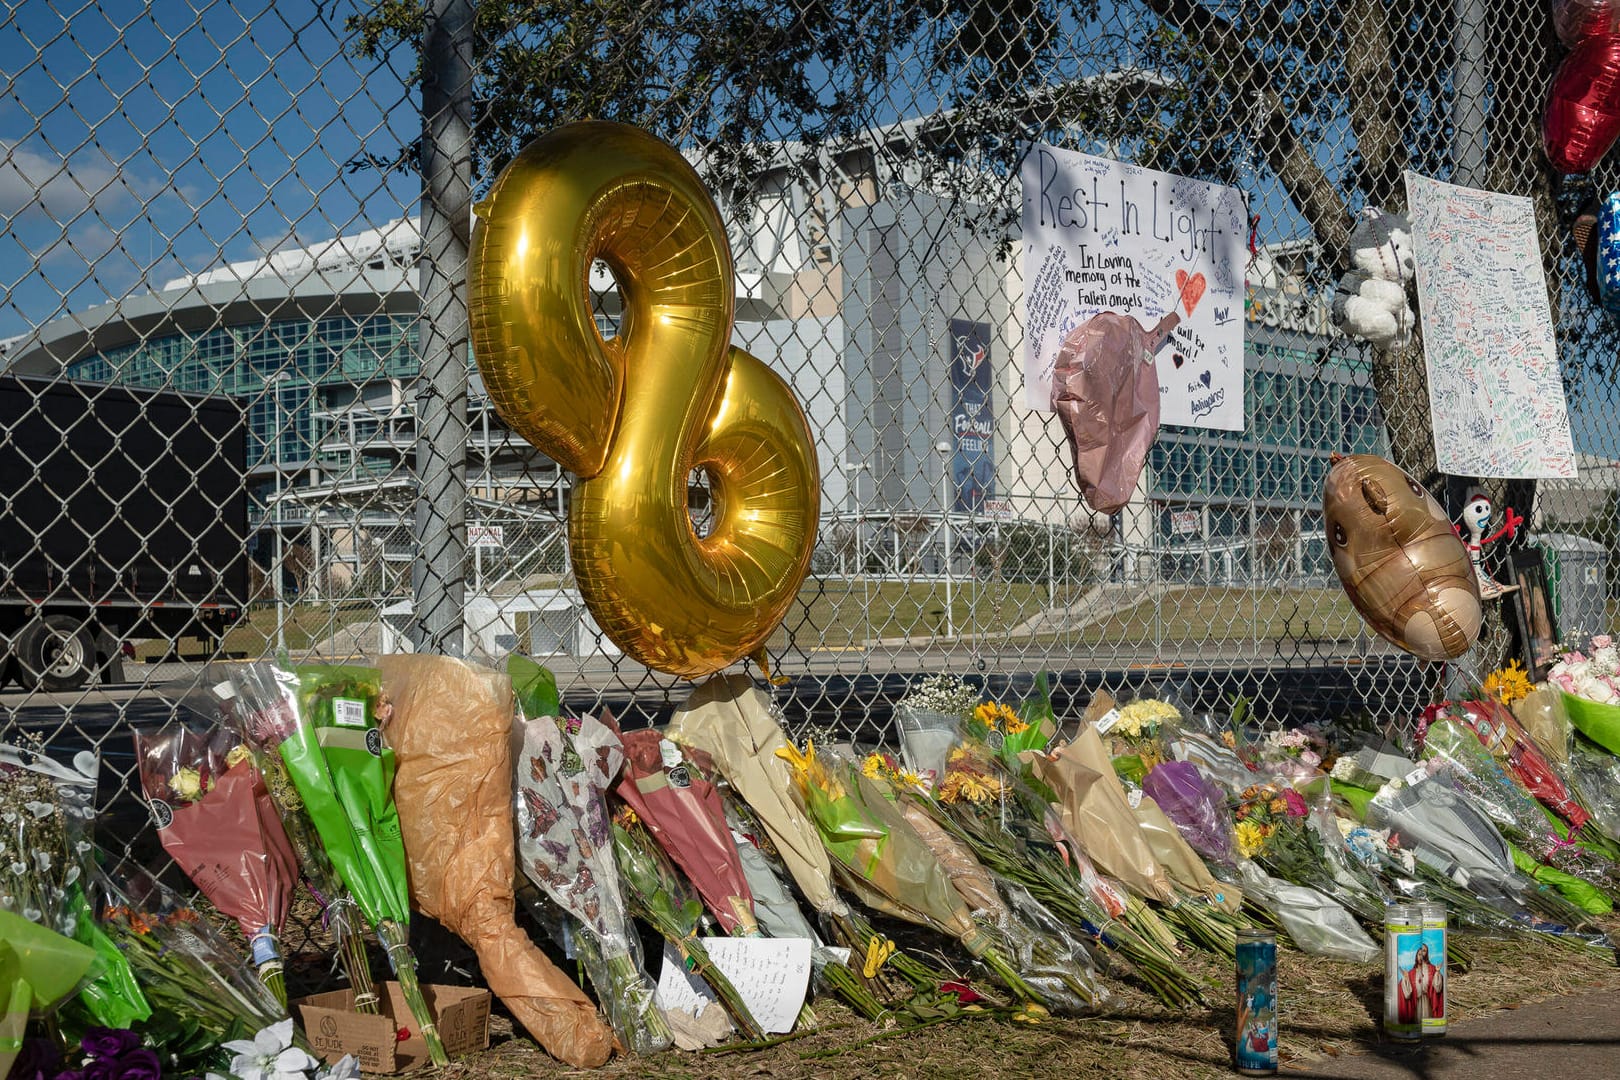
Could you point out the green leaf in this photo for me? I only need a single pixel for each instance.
(534, 686)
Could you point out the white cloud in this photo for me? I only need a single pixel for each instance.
(38, 183)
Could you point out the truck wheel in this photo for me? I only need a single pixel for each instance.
(56, 653)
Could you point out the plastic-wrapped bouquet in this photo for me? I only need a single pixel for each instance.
(215, 819)
(565, 846)
(1293, 754)
(930, 718)
(1591, 688)
(1135, 733)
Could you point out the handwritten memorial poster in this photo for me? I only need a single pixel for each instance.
(1495, 391)
(1102, 235)
(771, 975)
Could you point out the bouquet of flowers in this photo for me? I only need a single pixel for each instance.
(930, 719)
(732, 721)
(1196, 806)
(1500, 732)
(1472, 768)
(47, 808)
(215, 819)
(1263, 809)
(259, 703)
(886, 864)
(1591, 688)
(451, 730)
(201, 991)
(343, 771)
(658, 896)
(565, 847)
(1095, 810)
(682, 811)
(1292, 754)
(1135, 730)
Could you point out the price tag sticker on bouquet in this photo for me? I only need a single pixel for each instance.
(1416, 776)
(1106, 721)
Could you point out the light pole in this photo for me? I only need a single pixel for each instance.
(944, 449)
(854, 469)
(278, 566)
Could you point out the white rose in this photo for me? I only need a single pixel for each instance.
(1600, 692)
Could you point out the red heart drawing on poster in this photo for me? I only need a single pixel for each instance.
(1192, 289)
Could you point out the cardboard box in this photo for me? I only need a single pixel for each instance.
(334, 1028)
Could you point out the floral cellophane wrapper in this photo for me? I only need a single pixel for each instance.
(1178, 858)
(1597, 721)
(1318, 924)
(229, 841)
(565, 847)
(1542, 714)
(970, 879)
(1196, 806)
(1494, 790)
(1502, 734)
(1096, 813)
(38, 969)
(684, 814)
(345, 775)
(51, 965)
(729, 718)
(1446, 830)
(184, 964)
(450, 729)
(1596, 775)
(887, 865)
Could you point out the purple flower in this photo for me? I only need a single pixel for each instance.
(103, 1069)
(140, 1064)
(37, 1060)
(109, 1043)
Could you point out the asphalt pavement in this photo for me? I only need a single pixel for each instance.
(1575, 1037)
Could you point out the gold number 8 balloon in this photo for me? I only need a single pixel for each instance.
(634, 414)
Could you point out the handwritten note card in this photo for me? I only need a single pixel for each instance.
(1101, 235)
(1495, 391)
(771, 974)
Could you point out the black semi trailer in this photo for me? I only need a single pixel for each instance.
(123, 513)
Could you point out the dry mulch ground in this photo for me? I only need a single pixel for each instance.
(1328, 1008)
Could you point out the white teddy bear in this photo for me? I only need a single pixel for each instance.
(1370, 302)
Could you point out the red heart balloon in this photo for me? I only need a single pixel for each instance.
(1583, 109)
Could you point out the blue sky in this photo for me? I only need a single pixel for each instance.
(160, 140)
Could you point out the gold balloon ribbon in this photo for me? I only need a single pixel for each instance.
(635, 414)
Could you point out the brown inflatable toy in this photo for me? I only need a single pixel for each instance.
(1403, 567)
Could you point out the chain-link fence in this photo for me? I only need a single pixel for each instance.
(242, 416)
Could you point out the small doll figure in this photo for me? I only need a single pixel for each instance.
(1477, 518)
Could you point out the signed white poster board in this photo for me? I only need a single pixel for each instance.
(1101, 235)
(1496, 395)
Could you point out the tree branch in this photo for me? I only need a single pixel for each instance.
(1308, 185)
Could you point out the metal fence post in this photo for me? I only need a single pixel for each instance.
(438, 576)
